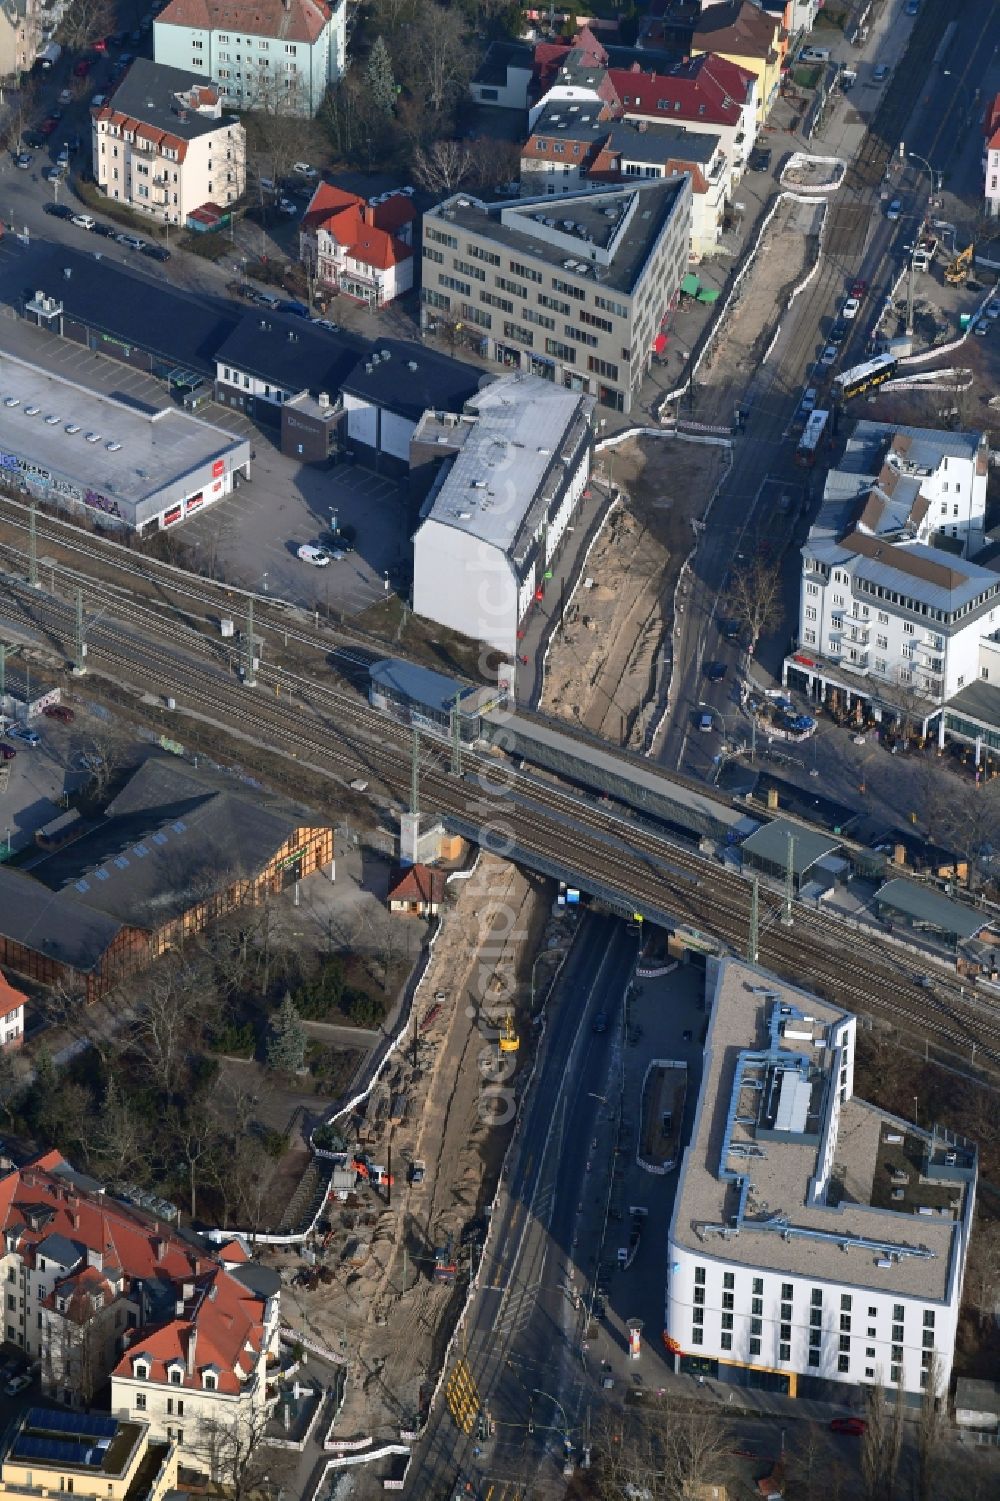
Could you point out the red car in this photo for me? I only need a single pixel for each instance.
(7, 752)
(59, 711)
(859, 287)
(82, 68)
(48, 126)
(853, 1426)
(100, 45)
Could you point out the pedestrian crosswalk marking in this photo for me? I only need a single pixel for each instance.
(462, 1396)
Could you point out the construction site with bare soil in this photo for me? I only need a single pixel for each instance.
(384, 1277)
(604, 665)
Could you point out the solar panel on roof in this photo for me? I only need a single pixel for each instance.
(86, 1424)
(56, 1451)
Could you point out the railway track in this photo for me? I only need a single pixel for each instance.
(330, 731)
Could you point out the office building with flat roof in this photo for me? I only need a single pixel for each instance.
(574, 291)
(818, 1243)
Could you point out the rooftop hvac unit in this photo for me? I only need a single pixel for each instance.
(323, 399)
(411, 365)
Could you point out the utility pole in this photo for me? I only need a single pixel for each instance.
(3, 673)
(249, 678)
(754, 938)
(456, 738)
(80, 660)
(786, 917)
(32, 548)
(415, 774)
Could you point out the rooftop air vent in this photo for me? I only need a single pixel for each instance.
(411, 365)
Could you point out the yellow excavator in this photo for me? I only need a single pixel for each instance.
(509, 1040)
(958, 270)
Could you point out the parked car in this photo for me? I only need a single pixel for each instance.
(760, 160)
(851, 309)
(838, 332)
(304, 170)
(704, 722)
(881, 72)
(53, 174)
(62, 159)
(48, 125)
(912, 7)
(22, 732)
(894, 210)
(715, 671)
(325, 323)
(859, 287)
(288, 208)
(23, 160)
(60, 712)
(132, 241)
(810, 396)
(106, 231)
(18, 1384)
(82, 68)
(83, 221)
(600, 1023)
(855, 1426)
(297, 309)
(829, 355)
(7, 753)
(155, 252)
(65, 96)
(317, 556)
(58, 210)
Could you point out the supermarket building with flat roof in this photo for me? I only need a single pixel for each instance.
(135, 466)
(817, 1244)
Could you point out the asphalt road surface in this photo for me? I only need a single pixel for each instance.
(521, 1320)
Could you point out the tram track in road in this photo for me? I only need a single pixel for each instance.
(331, 733)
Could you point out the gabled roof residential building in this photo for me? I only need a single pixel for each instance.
(750, 38)
(20, 35)
(704, 93)
(12, 1003)
(95, 1291)
(360, 247)
(163, 145)
(276, 55)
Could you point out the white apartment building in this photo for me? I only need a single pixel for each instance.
(880, 606)
(94, 1290)
(11, 1016)
(163, 145)
(279, 56)
(817, 1244)
(516, 465)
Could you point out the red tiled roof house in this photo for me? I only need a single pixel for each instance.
(361, 247)
(11, 1016)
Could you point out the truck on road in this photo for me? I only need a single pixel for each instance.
(49, 55)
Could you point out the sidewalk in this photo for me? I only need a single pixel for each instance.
(546, 614)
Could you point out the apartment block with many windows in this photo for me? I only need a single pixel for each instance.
(279, 56)
(889, 609)
(94, 1291)
(817, 1244)
(164, 146)
(575, 291)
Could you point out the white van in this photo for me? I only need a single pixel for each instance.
(814, 55)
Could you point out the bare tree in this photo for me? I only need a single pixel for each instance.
(982, 1272)
(495, 163)
(163, 1031)
(930, 1429)
(236, 1454)
(121, 1137)
(756, 597)
(443, 166)
(441, 54)
(664, 1451)
(874, 1441)
(13, 1083)
(103, 755)
(84, 21)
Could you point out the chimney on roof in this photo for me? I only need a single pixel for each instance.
(192, 1339)
(159, 1247)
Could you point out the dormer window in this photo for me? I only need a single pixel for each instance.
(140, 1370)
(176, 1375)
(210, 1381)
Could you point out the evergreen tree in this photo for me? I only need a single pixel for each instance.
(379, 78)
(286, 1048)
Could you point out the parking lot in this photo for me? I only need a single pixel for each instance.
(252, 536)
(37, 779)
